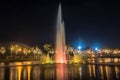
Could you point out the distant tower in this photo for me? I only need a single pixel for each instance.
(60, 56)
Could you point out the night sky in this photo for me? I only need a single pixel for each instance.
(87, 23)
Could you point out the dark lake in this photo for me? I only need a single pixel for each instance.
(27, 71)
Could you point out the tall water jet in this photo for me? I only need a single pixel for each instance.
(60, 56)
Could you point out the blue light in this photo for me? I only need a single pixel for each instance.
(96, 46)
(96, 49)
(79, 47)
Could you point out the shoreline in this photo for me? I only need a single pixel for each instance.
(37, 63)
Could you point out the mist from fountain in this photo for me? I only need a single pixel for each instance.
(60, 56)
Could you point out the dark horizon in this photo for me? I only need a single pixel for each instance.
(87, 23)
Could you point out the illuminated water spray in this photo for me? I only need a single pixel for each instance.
(60, 56)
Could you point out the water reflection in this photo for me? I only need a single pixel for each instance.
(61, 72)
(26, 71)
(117, 72)
(92, 71)
(101, 72)
(2, 72)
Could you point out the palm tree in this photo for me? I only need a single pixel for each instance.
(70, 50)
(2, 51)
(36, 52)
(49, 49)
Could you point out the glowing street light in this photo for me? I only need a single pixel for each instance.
(79, 47)
(96, 49)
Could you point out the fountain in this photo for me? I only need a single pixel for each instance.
(60, 56)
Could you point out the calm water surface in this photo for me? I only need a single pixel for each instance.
(14, 71)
